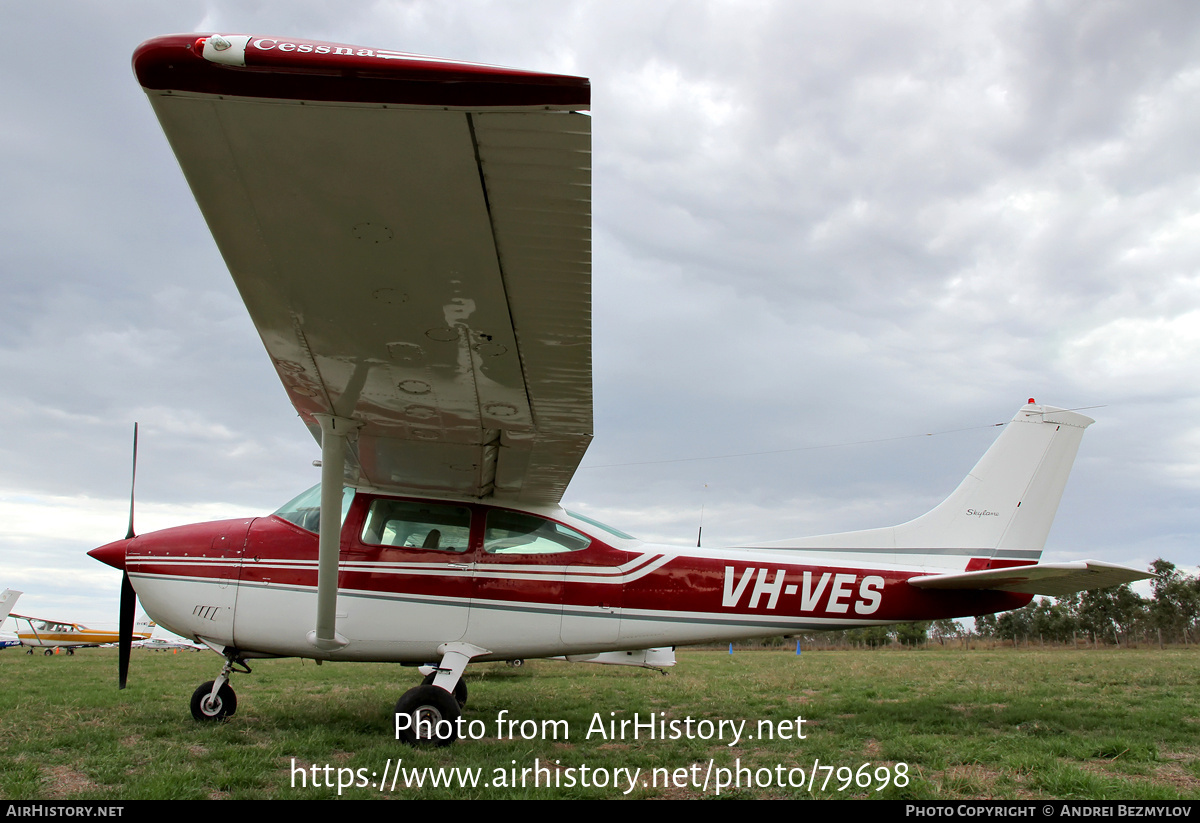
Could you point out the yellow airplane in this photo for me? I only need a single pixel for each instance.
(52, 634)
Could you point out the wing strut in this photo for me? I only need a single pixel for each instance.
(335, 431)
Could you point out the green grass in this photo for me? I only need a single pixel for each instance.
(1095, 724)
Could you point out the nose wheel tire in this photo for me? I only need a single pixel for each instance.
(432, 715)
(207, 707)
(460, 689)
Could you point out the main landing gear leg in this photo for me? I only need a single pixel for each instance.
(215, 699)
(429, 713)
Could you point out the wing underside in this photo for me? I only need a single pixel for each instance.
(422, 269)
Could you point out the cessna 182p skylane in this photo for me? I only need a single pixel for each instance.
(412, 239)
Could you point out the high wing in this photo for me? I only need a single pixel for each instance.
(412, 238)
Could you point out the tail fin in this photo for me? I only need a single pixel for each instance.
(1006, 503)
(1009, 499)
(8, 599)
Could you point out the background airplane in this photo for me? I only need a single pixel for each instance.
(8, 599)
(168, 644)
(54, 634)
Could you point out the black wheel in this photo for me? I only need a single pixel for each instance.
(70, 651)
(431, 715)
(218, 708)
(460, 688)
(48, 652)
(516, 664)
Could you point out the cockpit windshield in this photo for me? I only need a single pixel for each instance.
(305, 509)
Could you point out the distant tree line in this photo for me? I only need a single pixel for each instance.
(1116, 615)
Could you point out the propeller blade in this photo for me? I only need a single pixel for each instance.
(125, 641)
(129, 535)
(128, 595)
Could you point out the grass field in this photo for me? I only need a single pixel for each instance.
(939, 724)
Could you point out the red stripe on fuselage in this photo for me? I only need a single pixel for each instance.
(274, 552)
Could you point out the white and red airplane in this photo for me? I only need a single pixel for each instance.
(412, 239)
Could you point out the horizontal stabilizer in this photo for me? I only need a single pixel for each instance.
(1051, 579)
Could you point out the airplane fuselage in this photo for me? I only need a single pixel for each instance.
(520, 583)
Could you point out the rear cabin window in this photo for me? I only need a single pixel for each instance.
(519, 533)
(418, 525)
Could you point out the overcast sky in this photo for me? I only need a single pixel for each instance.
(824, 228)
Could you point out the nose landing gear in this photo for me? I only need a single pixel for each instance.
(209, 703)
(215, 699)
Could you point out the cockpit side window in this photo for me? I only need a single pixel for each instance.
(305, 509)
(519, 533)
(427, 526)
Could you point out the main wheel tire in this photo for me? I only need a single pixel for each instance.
(218, 708)
(48, 652)
(432, 713)
(460, 688)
